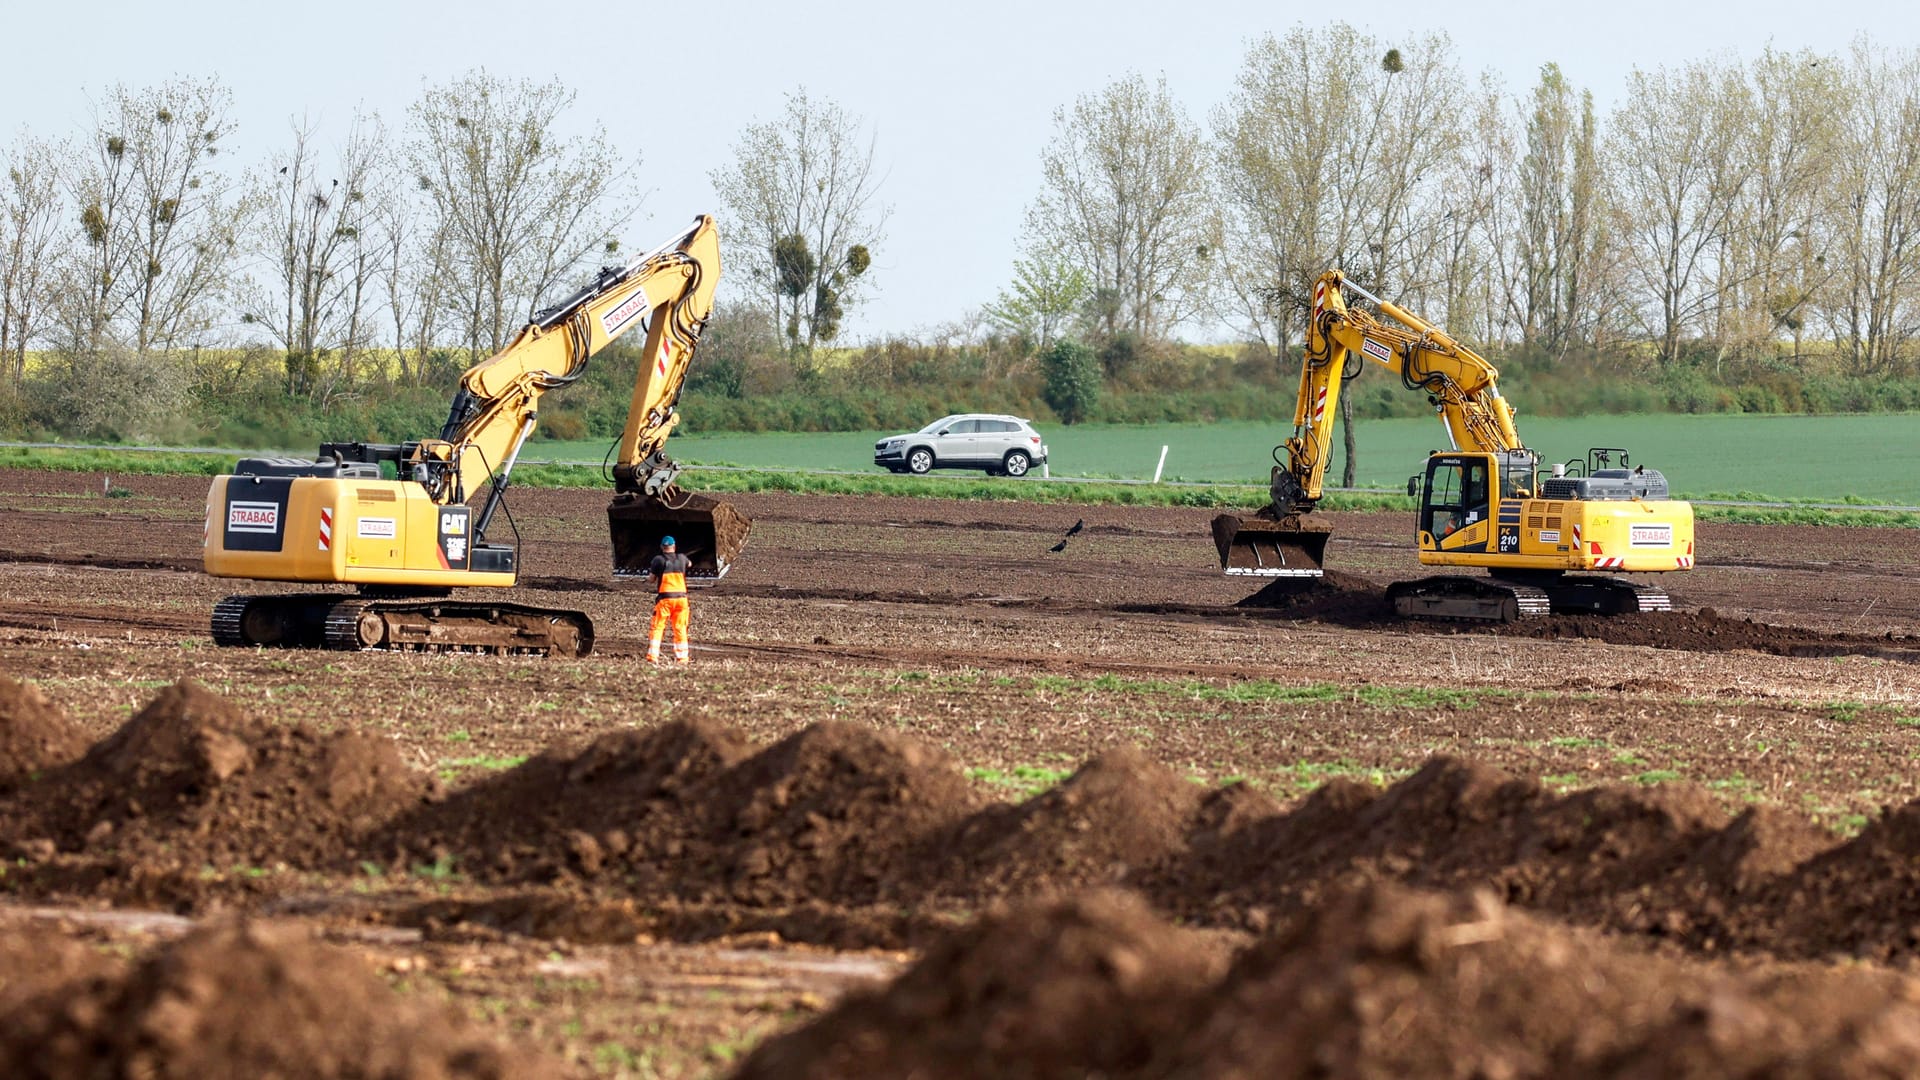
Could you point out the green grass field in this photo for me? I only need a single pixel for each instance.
(1874, 457)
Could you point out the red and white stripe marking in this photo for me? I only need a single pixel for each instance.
(326, 528)
(1684, 562)
(666, 353)
(1609, 562)
(1576, 536)
(1320, 405)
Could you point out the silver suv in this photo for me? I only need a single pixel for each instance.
(1000, 445)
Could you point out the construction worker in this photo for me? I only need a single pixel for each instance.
(670, 601)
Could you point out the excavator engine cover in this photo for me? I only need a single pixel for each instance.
(1261, 546)
(707, 531)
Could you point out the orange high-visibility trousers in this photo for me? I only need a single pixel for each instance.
(669, 610)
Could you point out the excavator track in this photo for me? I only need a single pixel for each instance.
(1471, 599)
(438, 625)
(354, 624)
(1496, 599)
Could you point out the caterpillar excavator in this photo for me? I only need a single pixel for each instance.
(398, 522)
(1483, 501)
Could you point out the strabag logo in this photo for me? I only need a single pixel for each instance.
(377, 528)
(1650, 536)
(615, 322)
(253, 517)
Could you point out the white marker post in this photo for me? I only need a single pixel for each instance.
(1162, 465)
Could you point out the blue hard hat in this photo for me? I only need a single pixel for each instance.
(667, 541)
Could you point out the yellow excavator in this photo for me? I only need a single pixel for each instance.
(395, 520)
(1483, 502)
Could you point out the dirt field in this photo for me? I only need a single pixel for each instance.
(906, 713)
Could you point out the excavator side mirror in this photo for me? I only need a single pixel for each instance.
(1413, 486)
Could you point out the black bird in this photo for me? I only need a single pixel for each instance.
(1062, 545)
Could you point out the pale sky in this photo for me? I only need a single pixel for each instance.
(959, 97)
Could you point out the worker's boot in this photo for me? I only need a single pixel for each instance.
(680, 653)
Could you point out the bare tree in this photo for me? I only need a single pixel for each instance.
(1678, 165)
(1125, 198)
(318, 242)
(1786, 217)
(155, 214)
(521, 206)
(30, 210)
(802, 192)
(1561, 215)
(1876, 309)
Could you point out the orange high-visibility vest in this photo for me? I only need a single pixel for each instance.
(670, 575)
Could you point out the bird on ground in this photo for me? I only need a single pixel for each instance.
(1062, 545)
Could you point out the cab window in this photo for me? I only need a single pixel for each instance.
(1456, 497)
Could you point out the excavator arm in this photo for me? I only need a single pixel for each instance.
(668, 291)
(1460, 384)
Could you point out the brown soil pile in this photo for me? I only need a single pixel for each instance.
(1861, 898)
(836, 812)
(1662, 860)
(1119, 813)
(1708, 631)
(1086, 986)
(1355, 602)
(1378, 982)
(619, 805)
(1386, 983)
(192, 782)
(1335, 597)
(34, 734)
(246, 1001)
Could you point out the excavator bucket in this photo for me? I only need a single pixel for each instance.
(707, 531)
(1291, 546)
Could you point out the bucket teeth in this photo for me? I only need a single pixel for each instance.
(1271, 547)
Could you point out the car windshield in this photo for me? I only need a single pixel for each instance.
(937, 425)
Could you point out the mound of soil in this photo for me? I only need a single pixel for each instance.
(1708, 631)
(837, 812)
(1378, 981)
(1085, 986)
(1120, 812)
(1335, 597)
(1388, 983)
(833, 813)
(34, 734)
(1662, 860)
(193, 782)
(615, 806)
(1861, 898)
(246, 1001)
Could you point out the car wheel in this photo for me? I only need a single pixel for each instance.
(919, 460)
(1017, 463)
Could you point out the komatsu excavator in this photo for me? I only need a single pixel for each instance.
(408, 538)
(1483, 502)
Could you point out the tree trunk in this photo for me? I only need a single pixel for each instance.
(1347, 471)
